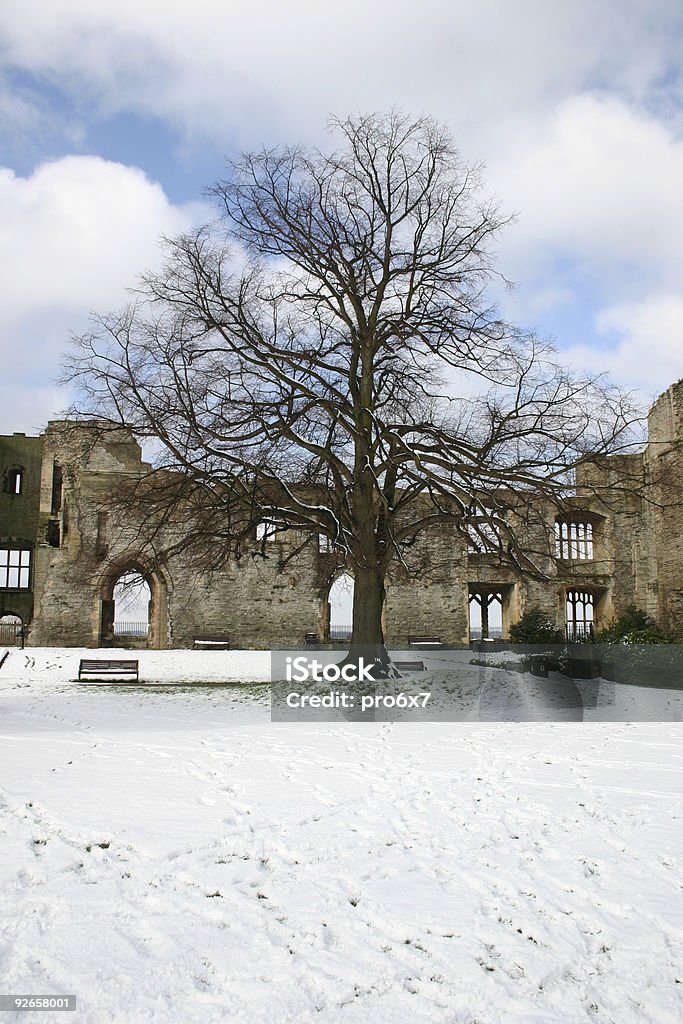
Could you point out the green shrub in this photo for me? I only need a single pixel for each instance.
(535, 627)
(633, 627)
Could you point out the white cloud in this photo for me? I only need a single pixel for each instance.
(644, 344)
(27, 404)
(274, 69)
(601, 187)
(76, 230)
(73, 237)
(600, 237)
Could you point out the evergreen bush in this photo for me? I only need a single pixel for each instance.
(633, 627)
(535, 627)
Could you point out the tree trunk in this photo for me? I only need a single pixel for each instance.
(368, 601)
(368, 637)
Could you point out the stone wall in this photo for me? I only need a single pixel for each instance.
(273, 594)
(664, 464)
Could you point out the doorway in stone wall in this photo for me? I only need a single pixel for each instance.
(340, 605)
(11, 631)
(133, 609)
(132, 604)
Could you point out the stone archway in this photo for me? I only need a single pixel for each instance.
(132, 606)
(11, 630)
(126, 583)
(340, 607)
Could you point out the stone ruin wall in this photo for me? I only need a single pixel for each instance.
(664, 467)
(260, 602)
(251, 600)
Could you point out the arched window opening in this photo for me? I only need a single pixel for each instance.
(132, 598)
(341, 608)
(580, 614)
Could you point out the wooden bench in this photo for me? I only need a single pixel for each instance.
(410, 666)
(212, 642)
(108, 667)
(415, 641)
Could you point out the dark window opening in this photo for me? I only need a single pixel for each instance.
(53, 533)
(56, 489)
(14, 481)
(101, 540)
(15, 568)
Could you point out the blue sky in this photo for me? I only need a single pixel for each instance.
(113, 118)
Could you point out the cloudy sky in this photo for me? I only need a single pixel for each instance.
(114, 117)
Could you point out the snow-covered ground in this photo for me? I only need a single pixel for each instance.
(173, 855)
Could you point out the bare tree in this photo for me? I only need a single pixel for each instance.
(324, 357)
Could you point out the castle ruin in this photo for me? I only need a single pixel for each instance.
(62, 555)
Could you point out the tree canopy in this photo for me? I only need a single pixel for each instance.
(325, 356)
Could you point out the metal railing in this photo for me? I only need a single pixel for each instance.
(123, 628)
(341, 632)
(577, 631)
(494, 633)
